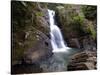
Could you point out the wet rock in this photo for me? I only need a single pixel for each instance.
(85, 60)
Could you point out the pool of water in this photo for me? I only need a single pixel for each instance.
(58, 62)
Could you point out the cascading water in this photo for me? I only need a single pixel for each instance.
(59, 60)
(56, 36)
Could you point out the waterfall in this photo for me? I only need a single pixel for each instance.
(57, 40)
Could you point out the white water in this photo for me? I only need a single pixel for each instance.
(56, 36)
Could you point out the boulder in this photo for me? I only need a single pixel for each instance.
(74, 43)
(85, 60)
(37, 46)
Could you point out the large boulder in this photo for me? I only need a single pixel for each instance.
(85, 60)
(37, 46)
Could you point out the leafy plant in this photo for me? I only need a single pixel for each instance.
(39, 14)
(78, 19)
(90, 12)
(91, 30)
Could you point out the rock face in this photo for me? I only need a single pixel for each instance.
(78, 31)
(85, 60)
(30, 34)
(74, 42)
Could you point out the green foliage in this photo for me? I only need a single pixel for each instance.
(78, 19)
(39, 14)
(77, 24)
(72, 19)
(68, 6)
(43, 5)
(90, 12)
(91, 30)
